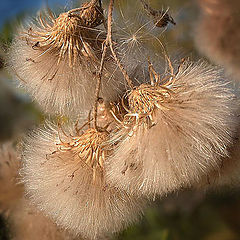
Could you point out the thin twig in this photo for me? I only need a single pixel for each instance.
(108, 42)
(99, 75)
(98, 87)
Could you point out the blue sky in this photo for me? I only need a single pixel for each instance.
(10, 8)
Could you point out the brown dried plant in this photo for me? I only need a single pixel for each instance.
(57, 60)
(161, 18)
(64, 175)
(72, 33)
(173, 131)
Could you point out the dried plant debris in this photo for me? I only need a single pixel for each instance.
(160, 18)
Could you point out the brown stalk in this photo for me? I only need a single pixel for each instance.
(108, 42)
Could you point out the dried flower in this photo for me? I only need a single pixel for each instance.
(64, 176)
(57, 60)
(175, 130)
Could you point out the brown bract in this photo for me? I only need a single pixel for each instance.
(89, 147)
(69, 34)
(143, 100)
(91, 15)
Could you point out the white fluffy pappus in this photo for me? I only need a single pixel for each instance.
(216, 33)
(57, 60)
(227, 176)
(64, 176)
(174, 133)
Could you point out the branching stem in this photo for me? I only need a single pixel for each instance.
(108, 42)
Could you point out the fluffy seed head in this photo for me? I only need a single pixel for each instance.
(68, 34)
(65, 177)
(57, 59)
(192, 125)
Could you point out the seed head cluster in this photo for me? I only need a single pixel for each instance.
(125, 141)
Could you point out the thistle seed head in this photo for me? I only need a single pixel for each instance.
(145, 99)
(89, 147)
(60, 182)
(70, 34)
(177, 132)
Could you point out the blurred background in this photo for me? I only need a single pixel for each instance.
(189, 215)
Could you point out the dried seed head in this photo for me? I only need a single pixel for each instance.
(64, 175)
(144, 100)
(69, 35)
(191, 123)
(57, 60)
(90, 147)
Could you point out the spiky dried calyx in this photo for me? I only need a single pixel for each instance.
(146, 98)
(90, 147)
(143, 101)
(70, 33)
(91, 15)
